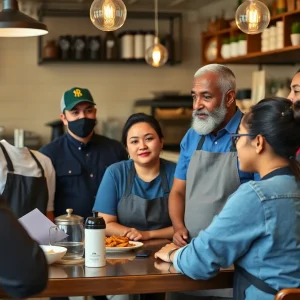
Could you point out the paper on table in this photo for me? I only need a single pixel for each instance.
(37, 225)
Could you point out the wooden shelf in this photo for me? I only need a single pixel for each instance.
(53, 61)
(175, 31)
(287, 55)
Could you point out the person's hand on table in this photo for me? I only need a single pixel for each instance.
(136, 235)
(164, 252)
(180, 237)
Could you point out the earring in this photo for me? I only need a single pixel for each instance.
(128, 156)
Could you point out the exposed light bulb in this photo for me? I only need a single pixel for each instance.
(157, 55)
(108, 15)
(252, 17)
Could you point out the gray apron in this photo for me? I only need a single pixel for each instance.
(142, 214)
(211, 178)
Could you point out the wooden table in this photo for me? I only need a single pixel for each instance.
(125, 274)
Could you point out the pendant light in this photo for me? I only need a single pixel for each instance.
(252, 17)
(108, 15)
(156, 55)
(14, 23)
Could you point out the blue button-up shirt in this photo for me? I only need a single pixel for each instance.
(79, 170)
(258, 229)
(213, 143)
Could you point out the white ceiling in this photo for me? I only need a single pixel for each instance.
(165, 5)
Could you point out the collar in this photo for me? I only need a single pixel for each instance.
(233, 125)
(77, 143)
(279, 171)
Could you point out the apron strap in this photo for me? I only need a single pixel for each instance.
(258, 283)
(10, 166)
(38, 163)
(164, 179)
(129, 181)
(201, 142)
(232, 147)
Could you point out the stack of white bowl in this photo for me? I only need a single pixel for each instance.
(265, 40)
(279, 35)
(272, 37)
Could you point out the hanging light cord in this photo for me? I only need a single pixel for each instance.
(156, 17)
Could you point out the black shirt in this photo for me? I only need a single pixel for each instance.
(279, 171)
(79, 170)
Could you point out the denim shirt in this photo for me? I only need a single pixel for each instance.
(258, 229)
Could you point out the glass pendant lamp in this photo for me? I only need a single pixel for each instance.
(252, 17)
(108, 15)
(156, 55)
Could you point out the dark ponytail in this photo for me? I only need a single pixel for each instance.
(278, 121)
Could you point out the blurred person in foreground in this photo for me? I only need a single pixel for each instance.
(23, 266)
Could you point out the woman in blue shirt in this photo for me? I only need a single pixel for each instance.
(259, 227)
(133, 195)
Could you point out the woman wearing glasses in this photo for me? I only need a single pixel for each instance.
(258, 229)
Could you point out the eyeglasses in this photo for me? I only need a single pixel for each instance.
(236, 136)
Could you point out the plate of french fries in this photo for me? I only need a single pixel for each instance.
(120, 244)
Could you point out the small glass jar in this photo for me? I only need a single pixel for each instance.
(79, 47)
(50, 49)
(111, 49)
(94, 47)
(72, 225)
(65, 49)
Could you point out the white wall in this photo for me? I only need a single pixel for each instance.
(30, 94)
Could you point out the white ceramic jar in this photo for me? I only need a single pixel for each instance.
(127, 45)
(139, 45)
(149, 39)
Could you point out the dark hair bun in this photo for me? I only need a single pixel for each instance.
(296, 111)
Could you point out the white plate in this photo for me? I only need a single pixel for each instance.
(124, 249)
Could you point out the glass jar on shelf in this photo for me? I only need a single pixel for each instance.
(111, 49)
(94, 47)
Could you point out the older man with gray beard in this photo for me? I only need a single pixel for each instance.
(207, 171)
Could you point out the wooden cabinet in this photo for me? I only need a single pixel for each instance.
(287, 54)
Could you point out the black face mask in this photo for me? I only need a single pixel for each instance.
(82, 127)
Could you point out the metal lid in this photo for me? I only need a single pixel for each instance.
(69, 219)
